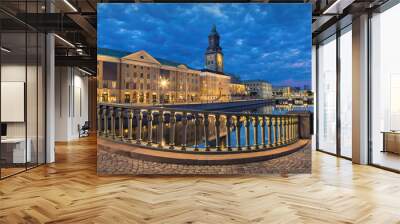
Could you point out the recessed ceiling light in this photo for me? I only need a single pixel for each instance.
(5, 50)
(64, 40)
(70, 5)
(337, 7)
(86, 72)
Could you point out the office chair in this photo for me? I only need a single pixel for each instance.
(84, 130)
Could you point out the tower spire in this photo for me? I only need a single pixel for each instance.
(214, 56)
(214, 30)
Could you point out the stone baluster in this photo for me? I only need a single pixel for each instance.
(120, 123)
(263, 123)
(255, 131)
(185, 124)
(279, 129)
(196, 131)
(238, 126)
(283, 130)
(297, 128)
(139, 119)
(274, 126)
(160, 128)
(206, 131)
(149, 127)
(282, 134)
(105, 120)
(217, 131)
(269, 121)
(172, 121)
(228, 132)
(291, 129)
(287, 130)
(99, 130)
(283, 121)
(130, 125)
(294, 129)
(247, 132)
(112, 114)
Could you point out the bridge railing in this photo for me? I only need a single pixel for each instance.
(194, 130)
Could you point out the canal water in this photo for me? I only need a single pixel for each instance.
(197, 137)
(274, 109)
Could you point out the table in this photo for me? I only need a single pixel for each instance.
(13, 150)
(391, 141)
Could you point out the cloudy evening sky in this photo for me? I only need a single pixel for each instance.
(259, 41)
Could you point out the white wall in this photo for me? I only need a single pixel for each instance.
(12, 73)
(71, 102)
(33, 126)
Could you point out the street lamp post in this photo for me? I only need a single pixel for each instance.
(163, 83)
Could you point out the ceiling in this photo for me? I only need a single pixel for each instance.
(74, 21)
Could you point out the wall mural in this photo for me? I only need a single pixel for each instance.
(204, 89)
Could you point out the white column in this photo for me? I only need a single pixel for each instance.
(360, 90)
(63, 100)
(50, 98)
(314, 89)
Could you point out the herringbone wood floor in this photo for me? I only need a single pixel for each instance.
(70, 192)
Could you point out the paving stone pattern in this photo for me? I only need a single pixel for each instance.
(115, 164)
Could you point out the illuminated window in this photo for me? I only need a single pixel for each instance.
(114, 84)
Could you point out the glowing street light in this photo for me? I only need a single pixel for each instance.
(163, 82)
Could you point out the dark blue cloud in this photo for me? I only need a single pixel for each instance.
(259, 41)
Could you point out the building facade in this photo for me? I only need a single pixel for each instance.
(238, 90)
(282, 91)
(259, 88)
(214, 86)
(142, 79)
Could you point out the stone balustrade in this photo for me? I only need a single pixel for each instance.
(195, 131)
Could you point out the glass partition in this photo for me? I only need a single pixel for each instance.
(346, 92)
(326, 99)
(385, 89)
(13, 86)
(22, 92)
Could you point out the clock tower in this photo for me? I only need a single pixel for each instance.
(214, 58)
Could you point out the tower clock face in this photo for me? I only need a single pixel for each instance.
(219, 59)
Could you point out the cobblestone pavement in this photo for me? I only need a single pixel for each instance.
(115, 164)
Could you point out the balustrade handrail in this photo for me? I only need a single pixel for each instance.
(181, 110)
(134, 124)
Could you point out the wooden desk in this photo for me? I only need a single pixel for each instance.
(13, 150)
(391, 141)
